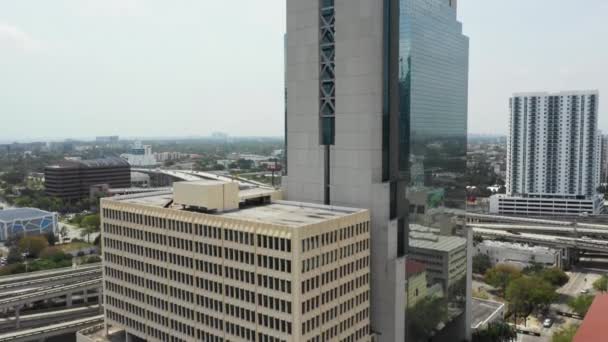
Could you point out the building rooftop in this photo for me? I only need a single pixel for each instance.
(92, 163)
(284, 213)
(22, 213)
(593, 328)
(429, 238)
(414, 267)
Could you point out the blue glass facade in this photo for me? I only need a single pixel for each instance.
(432, 75)
(32, 226)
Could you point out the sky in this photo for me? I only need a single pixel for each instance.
(159, 68)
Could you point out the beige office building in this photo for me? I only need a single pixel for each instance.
(212, 262)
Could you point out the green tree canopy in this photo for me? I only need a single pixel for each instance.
(501, 275)
(33, 245)
(424, 317)
(90, 224)
(554, 276)
(496, 332)
(526, 294)
(481, 263)
(581, 304)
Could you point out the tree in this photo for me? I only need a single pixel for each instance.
(424, 318)
(14, 256)
(526, 294)
(51, 238)
(601, 284)
(500, 275)
(554, 276)
(581, 304)
(33, 245)
(481, 263)
(496, 332)
(565, 334)
(90, 225)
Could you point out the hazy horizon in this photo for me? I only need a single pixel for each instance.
(85, 68)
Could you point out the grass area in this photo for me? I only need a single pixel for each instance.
(74, 246)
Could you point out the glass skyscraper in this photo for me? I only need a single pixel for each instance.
(377, 118)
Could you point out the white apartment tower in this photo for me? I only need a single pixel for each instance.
(554, 146)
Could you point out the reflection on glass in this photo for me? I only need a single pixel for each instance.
(433, 69)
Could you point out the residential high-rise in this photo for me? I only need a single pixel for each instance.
(604, 160)
(377, 115)
(553, 145)
(210, 262)
(553, 155)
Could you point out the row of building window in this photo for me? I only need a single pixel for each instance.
(335, 274)
(244, 238)
(332, 237)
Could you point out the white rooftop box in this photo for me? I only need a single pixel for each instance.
(207, 194)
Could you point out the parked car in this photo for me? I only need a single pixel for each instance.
(547, 323)
(584, 291)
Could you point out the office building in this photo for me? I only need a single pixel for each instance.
(553, 151)
(71, 180)
(26, 222)
(140, 155)
(211, 262)
(376, 105)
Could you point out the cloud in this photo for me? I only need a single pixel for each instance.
(13, 38)
(110, 8)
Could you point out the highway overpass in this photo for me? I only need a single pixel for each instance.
(10, 288)
(581, 244)
(36, 334)
(23, 277)
(34, 320)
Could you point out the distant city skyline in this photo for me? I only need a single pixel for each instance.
(83, 68)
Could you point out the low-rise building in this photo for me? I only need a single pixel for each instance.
(444, 256)
(210, 262)
(519, 254)
(546, 205)
(416, 282)
(26, 221)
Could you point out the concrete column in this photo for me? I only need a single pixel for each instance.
(128, 337)
(17, 318)
(68, 300)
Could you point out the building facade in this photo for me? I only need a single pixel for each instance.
(518, 254)
(546, 205)
(604, 158)
(376, 108)
(554, 144)
(71, 180)
(202, 265)
(140, 155)
(26, 222)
